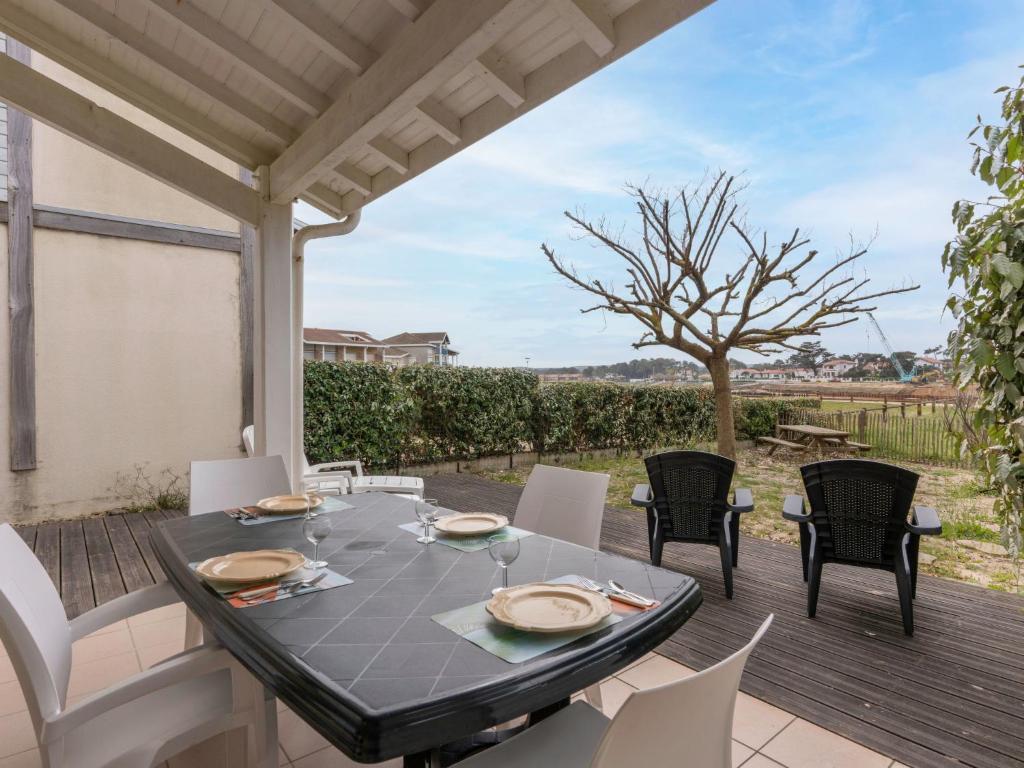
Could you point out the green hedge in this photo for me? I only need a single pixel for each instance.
(428, 413)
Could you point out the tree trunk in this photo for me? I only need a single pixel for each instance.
(725, 425)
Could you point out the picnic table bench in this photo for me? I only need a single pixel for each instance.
(778, 442)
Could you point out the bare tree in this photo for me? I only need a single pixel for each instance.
(688, 300)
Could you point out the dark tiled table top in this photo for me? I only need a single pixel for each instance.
(366, 665)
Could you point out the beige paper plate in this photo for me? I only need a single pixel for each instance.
(475, 524)
(549, 607)
(288, 505)
(249, 567)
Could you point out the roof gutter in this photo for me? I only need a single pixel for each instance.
(299, 240)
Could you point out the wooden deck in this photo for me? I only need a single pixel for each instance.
(953, 695)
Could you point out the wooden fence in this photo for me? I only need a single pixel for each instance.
(908, 433)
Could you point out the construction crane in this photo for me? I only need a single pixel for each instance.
(903, 373)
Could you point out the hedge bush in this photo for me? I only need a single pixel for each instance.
(418, 414)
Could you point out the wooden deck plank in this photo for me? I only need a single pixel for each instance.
(106, 576)
(138, 525)
(126, 553)
(75, 591)
(47, 549)
(28, 535)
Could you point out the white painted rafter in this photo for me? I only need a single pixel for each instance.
(392, 154)
(501, 78)
(84, 61)
(327, 34)
(441, 120)
(252, 60)
(411, 9)
(179, 68)
(593, 25)
(63, 109)
(441, 43)
(355, 177)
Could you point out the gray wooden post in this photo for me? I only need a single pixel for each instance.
(20, 277)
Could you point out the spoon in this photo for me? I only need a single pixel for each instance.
(626, 593)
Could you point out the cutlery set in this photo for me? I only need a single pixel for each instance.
(284, 587)
(614, 591)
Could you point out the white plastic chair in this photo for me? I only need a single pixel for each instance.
(686, 722)
(339, 477)
(141, 721)
(226, 483)
(565, 504)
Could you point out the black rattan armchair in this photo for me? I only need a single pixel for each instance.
(858, 516)
(688, 500)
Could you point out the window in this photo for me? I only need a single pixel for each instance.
(308, 352)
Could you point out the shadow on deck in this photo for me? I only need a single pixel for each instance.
(952, 695)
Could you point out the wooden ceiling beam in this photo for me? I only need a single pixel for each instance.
(61, 108)
(327, 34)
(441, 120)
(441, 43)
(501, 78)
(252, 60)
(355, 177)
(169, 62)
(83, 61)
(411, 9)
(593, 25)
(392, 154)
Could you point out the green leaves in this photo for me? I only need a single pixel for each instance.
(986, 260)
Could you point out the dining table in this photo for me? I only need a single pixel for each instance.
(366, 665)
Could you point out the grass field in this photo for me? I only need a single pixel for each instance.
(967, 550)
(876, 405)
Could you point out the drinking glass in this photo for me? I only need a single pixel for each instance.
(316, 528)
(426, 512)
(504, 549)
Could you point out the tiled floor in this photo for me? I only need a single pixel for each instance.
(763, 736)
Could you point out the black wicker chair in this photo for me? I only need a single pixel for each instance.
(858, 516)
(688, 500)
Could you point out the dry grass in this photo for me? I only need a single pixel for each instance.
(965, 509)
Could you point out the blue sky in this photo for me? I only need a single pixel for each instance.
(846, 116)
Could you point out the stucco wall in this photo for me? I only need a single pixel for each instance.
(137, 362)
(137, 343)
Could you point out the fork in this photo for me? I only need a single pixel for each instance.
(635, 600)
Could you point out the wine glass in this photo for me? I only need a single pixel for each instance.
(426, 512)
(316, 528)
(504, 549)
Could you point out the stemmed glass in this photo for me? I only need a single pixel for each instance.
(426, 512)
(316, 528)
(504, 549)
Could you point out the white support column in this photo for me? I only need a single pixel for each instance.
(274, 337)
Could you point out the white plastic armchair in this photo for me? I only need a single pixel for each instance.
(329, 478)
(139, 722)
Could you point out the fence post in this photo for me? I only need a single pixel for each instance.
(933, 406)
(903, 409)
(862, 424)
(918, 407)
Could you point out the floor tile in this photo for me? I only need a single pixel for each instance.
(756, 722)
(641, 660)
(16, 734)
(159, 632)
(101, 646)
(11, 698)
(740, 752)
(7, 670)
(613, 695)
(804, 745)
(110, 628)
(153, 654)
(760, 761)
(332, 758)
(174, 610)
(655, 671)
(296, 737)
(28, 759)
(93, 676)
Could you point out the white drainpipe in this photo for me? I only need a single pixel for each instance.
(299, 240)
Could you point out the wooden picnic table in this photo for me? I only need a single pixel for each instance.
(812, 436)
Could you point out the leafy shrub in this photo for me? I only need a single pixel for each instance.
(469, 412)
(357, 411)
(429, 413)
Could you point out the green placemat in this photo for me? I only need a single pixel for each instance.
(513, 645)
(466, 543)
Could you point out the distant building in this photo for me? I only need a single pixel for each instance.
(548, 378)
(431, 348)
(836, 368)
